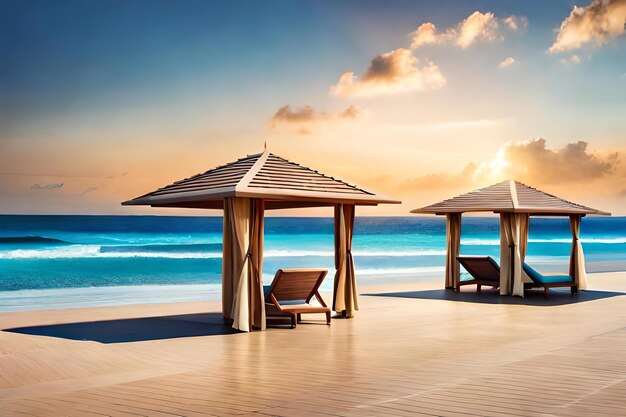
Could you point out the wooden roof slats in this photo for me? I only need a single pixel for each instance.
(508, 196)
(234, 178)
(310, 181)
(210, 179)
(307, 179)
(311, 187)
(231, 178)
(263, 175)
(279, 181)
(320, 190)
(191, 186)
(279, 166)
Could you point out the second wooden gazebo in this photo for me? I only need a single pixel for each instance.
(244, 189)
(515, 203)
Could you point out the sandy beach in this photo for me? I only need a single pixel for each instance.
(412, 350)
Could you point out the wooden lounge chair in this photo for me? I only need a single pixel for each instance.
(548, 281)
(483, 269)
(291, 292)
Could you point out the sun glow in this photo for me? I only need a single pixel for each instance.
(499, 164)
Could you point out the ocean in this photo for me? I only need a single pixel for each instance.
(73, 261)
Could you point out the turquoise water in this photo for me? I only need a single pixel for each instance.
(42, 252)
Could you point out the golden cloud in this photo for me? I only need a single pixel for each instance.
(516, 23)
(476, 27)
(306, 118)
(593, 25)
(530, 162)
(506, 62)
(388, 73)
(426, 34)
(574, 59)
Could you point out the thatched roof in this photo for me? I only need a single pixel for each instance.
(509, 196)
(282, 183)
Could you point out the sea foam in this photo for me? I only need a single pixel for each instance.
(96, 251)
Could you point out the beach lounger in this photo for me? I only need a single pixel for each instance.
(483, 269)
(291, 293)
(548, 281)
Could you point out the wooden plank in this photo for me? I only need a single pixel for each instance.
(400, 356)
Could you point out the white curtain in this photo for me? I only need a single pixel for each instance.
(345, 295)
(242, 263)
(510, 256)
(577, 258)
(453, 245)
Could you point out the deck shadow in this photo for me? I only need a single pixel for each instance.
(134, 329)
(533, 298)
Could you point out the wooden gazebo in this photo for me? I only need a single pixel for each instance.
(244, 189)
(515, 203)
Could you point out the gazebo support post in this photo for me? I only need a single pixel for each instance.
(453, 247)
(512, 271)
(345, 295)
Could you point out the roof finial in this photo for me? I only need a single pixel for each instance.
(264, 145)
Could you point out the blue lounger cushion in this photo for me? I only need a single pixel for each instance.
(539, 278)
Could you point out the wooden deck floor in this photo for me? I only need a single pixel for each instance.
(412, 350)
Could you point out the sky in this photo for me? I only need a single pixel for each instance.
(102, 101)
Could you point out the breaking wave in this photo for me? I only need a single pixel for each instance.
(194, 251)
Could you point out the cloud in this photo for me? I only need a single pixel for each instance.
(389, 73)
(286, 115)
(306, 118)
(89, 190)
(476, 27)
(516, 23)
(574, 59)
(530, 162)
(350, 113)
(397, 71)
(426, 34)
(46, 186)
(593, 25)
(507, 62)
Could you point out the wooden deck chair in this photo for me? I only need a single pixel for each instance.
(548, 281)
(291, 292)
(483, 269)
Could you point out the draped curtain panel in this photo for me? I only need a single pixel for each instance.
(510, 257)
(453, 247)
(524, 226)
(255, 272)
(345, 298)
(242, 263)
(577, 257)
(234, 249)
